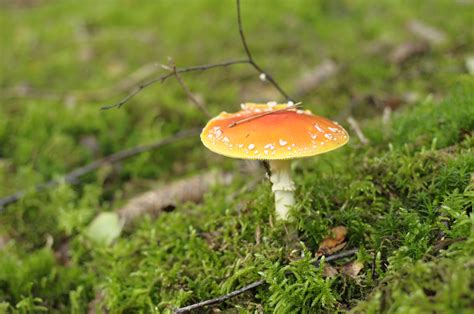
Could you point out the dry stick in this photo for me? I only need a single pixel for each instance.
(73, 176)
(251, 61)
(221, 298)
(204, 67)
(190, 95)
(163, 78)
(256, 284)
(297, 105)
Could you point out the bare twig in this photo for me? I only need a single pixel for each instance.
(338, 256)
(163, 78)
(443, 244)
(191, 97)
(221, 298)
(358, 131)
(74, 176)
(256, 284)
(252, 62)
(297, 105)
(204, 67)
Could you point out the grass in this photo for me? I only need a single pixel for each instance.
(64, 59)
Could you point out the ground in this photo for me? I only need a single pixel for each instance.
(405, 196)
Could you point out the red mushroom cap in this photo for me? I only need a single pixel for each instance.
(272, 132)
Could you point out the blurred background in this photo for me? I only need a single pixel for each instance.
(61, 60)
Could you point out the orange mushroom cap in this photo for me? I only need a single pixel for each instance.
(272, 132)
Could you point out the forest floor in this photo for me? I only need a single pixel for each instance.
(404, 190)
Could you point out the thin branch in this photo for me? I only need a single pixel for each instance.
(74, 176)
(191, 97)
(337, 256)
(295, 106)
(252, 62)
(241, 33)
(204, 67)
(256, 284)
(163, 78)
(221, 298)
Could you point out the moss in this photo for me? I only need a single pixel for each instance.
(398, 196)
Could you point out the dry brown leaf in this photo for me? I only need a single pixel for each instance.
(333, 243)
(339, 233)
(352, 269)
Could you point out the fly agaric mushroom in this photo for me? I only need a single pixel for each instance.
(277, 133)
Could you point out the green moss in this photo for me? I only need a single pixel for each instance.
(397, 196)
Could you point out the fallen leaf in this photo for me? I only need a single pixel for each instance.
(333, 243)
(352, 269)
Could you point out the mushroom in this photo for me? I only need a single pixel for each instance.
(277, 133)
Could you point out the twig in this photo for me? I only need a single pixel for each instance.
(355, 126)
(221, 298)
(252, 62)
(73, 176)
(163, 78)
(337, 256)
(442, 244)
(255, 284)
(190, 95)
(297, 105)
(204, 67)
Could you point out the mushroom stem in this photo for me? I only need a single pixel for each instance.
(283, 187)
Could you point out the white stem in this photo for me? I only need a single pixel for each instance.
(283, 187)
